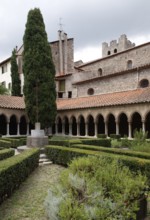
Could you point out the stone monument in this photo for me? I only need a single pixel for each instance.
(37, 138)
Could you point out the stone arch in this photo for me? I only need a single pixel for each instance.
(123, 124)
(91, 125)
(147, 124)
(66, 125)
(81, 121)
(74, 125)
(13, 125)
(111, 124)
(59, 125)
(136, 122)
(3, 124)
(23, 125)
(100, 124)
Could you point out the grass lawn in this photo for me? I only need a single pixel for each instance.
(27, 202)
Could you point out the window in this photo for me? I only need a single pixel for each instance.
(60, 95)
(90, 91)
(129, 64)
(62, 85)
(100, 72)
(4, 68)
(108, 53)
(144, 83)
(70, 94)
(115, 50)
(3, 84)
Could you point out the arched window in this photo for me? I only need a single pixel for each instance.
(115, 50)
(90, 91)
(129, 64)
(108, 53)
(100, 72)
(144, 83)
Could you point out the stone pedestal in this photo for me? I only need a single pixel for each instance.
(37, 138)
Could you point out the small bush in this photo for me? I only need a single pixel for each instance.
(14, 170)
(97, 142)
(115, 136)
(6, 153)
(102, 136)
(96, 188)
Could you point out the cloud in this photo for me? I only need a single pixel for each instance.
(89, 22)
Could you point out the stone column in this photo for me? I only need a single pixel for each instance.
(18, 130)
(70, 128)
(86, 129)
(129, 129)
(27, 129)
(96, 130)
(143, 126)
(106, 128)
(56, 128)
(117, 127)
(7, 129)
(63, 128)
(78, 129)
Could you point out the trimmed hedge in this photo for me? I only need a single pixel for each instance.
(14, 142)
(64, 155)
(5, 143)
(97, 142)
(102, 136)
(14, 170)
(66, 143)
(6, 153)
(113, 151)
(115, 136)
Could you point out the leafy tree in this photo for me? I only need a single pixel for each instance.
(3, 90)
(39, 72)
(16, 83)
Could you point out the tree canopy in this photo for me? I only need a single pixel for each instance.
(16, 82)
(39, 72)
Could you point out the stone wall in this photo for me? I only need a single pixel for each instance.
(117, 83)
(119, 62)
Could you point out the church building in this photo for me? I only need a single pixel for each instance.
(109, 95)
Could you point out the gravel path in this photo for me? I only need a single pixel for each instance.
(27, 202)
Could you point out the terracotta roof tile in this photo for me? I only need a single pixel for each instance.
(110, 99)
(12, 102)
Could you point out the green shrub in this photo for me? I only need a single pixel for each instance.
(130, 153)
(4, 143)
(102, 136)
(6, 153)
(97, 142)
(115, 136)
(15, 142)
(66, 143)
(14, 170)
(96, 188)
(64, 155)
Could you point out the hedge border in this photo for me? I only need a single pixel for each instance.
(63, 155)
(14, 170)
(6, 153)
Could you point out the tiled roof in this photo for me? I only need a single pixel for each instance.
(110, 99)
(12, 102)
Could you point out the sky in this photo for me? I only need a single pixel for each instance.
(89, 22)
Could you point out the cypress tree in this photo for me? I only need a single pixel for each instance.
(39, 72)
(16, 83)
